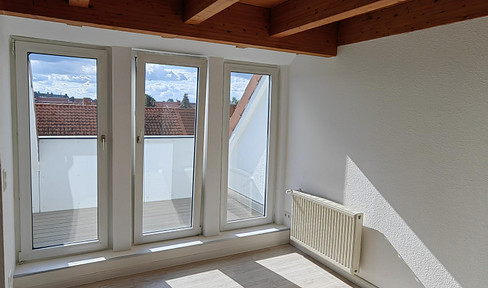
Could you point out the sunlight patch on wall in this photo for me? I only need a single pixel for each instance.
(360, 194)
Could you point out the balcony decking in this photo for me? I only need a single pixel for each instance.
(71, 226)
(66, 226)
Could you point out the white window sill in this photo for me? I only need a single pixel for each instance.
(96, 266)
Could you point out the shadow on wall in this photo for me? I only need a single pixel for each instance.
(386, 257)
(379, 257)
(408, 124)
(382, 262)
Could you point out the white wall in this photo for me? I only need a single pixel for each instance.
(68, 172)
(168, 168)
(6, 153)
(248, 146)
(398, 128)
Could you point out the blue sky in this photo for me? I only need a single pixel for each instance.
(165, 82)
(77, 77)
(239, 83)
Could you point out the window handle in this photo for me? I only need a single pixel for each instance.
(139, 137)
(103, 138)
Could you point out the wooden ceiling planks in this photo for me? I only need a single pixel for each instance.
(197, 11)
(263, 3)
(80, 3)
(247, 25)
(407, 17)
(296, 16)
(240, 24)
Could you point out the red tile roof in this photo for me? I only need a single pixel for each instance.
(169, 121)
(78, 117)
(65, 100)
(81, 120)
(241, 106)
(66, 119)
(171, 104)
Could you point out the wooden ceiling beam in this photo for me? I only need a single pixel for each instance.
(80, 3)
(197, 11)
(240, 25)
(295, 16)
(407, 17)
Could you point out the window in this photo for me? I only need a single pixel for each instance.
(66, 204)
(61, 118)
(169, 135)
(248, 135)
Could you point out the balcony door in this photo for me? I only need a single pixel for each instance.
(61, 100)
(169, 146)
(249, 121)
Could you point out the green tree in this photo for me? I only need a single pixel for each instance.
(171, 100)
(185, 102)
(234, 101)
(150, 101)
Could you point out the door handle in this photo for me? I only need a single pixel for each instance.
(139, 137)
(103, 139)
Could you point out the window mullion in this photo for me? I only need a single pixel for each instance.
(213, 151)
(121, 157)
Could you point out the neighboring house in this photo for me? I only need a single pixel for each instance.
(161, 120)
(68, 124)
(247, 163)
(54, 119)
(60, 116)
(80, 119)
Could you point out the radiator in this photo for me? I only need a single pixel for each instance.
(328, 229)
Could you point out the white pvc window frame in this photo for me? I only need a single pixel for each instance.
(273, 72)
(21, 101)
(143, 57)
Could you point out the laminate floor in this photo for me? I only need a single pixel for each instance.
(281, 266)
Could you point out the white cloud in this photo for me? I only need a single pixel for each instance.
(238, 84)
(89, 69)
(76, 77)
(166, 81)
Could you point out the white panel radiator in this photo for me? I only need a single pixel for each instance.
(328, 229)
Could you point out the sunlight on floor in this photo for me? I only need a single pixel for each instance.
(278, 267)
(213, 278)
(294, 266)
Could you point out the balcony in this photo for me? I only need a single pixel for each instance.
(64, 193)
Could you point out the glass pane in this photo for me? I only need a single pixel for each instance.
(169, 141)
(248, 145)
(63, 136)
